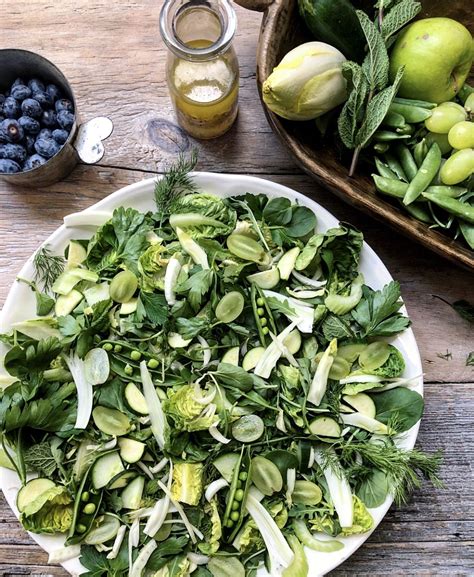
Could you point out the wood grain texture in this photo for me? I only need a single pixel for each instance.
(115, 61)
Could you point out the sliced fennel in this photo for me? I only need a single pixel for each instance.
(173, 268)
(142, 559)
(197, 253)
(308, 540)
(339, 304)
(365, 422)
(320, 379)
(303, 312)
(84, 389)
(157, 416)
(272, 354)
(93, 218)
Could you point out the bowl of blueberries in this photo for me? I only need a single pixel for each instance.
(41, 139)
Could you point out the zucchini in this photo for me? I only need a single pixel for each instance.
(136, 399)
(121, 480)
(325, 427)
(105, 469)
(65, 304)
(225, 464)
(287, 262)
(106, 530)
(29, 492)
(129, 307)
(231, 356)
(248, 428)
(131, 451)
(252, 357)
(266, 279)
(132, 494)
(293, 341)
(76, 254)
(362, 403)
(335, 22)
(111, 421)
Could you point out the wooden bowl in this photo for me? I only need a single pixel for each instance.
(282, 29)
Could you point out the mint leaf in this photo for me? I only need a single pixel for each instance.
(398, 17)
(353, 109)
(40, 458)
(155, 306)
(376, 64)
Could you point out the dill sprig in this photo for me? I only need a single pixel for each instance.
(403, 468)
(47, 267)
(175, 182)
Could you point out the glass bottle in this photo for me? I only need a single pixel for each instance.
(202, 67)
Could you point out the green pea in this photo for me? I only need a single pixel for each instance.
(265, 331)
(107, 347)
(118, 348)
(128, 370)
(81, 528)
(89, 509)
(230, 307)
(229, 523)
(243, 476)
(235, 516)
(239, 495)
(239, 484)
(153, 364)
(260, 311)
(85, 496)
(260, 302)
(235, 505)
(263, 322)
(135, 355)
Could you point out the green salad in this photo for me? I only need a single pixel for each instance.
(207, 388)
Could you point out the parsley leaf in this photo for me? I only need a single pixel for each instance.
(190, 328)
(155, 307)
(32, 357)
(197, 284)
(172, 546)
(377, 312)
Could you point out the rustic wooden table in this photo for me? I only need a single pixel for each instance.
(114, 58)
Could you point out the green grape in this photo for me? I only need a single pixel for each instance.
(445, 116)
(441, 140)
(458, 167)
(461, 135)
(469, 104)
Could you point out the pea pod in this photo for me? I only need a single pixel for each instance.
(406, 160)
(388, 136)
(390, 186)
(384, 170)
(410, 113)
(420, 150)
(86, 507)
(381, 147)
(236, 496)
(417, 103)
(455, 207)
(394, 120)
(418, 211)
(425, 175)
(395, 165)
(467, 231)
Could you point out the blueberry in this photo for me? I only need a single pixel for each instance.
(18, 82)
(20, 92)
(60, 136)
(43, 98)
(34, 161)
(14, 152)
(45, 133)
(48, 118)
(53, 91)
(11, 130)
(30, 144)
(64, 104)
(65, 119)
(8, 166)
(31, 107)
(29, 125)
(36, 85)
(47, 147)
(11, 108)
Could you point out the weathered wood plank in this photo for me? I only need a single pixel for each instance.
(29, 216)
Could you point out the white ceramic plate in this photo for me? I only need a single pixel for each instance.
(20, 306)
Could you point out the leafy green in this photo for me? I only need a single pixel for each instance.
(374, 489)
(47, 267)
(44, 303)
(98, 565)
(376, 63)
(402, 403)
(278, 211)
(196, 286)
(160, 557)
(151, 267)
(393, 366)
(185, 408)
(155, 308)
(44, 457)
(174, 183)
(51, 512)
(363, 521)
(402, 13)
(377, 313)
(31, 357)
(190, 328)
(470, 359)
(303, 222)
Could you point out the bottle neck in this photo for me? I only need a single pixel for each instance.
(197, 29)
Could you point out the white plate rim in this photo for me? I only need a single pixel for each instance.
(140, 195)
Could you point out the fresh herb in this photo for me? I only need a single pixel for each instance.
(47, 267)
(447, 356)
(44, 303)
(175, 182)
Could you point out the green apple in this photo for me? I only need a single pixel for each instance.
(437, 54)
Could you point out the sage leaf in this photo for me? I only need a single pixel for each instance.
(398, 17)
(376, 63)
(353, 109)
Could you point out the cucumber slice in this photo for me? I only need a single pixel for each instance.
(252, 357)
(65, 304)
(96, 293)
(5, 461)
(67, 280)
(121, 480)
(105, 469)
(97, 366)
(136, 399)
(248, 428)
(362, 403)
(176, 341)
(131, 451)
(129, 307)
(76, 254)
(111, 421)
(225, 464)
(293, 341)
(29, 492)
(325, 427)
(132, 494)
(287, 262)
(105, 531)
(231, 356)
(266, 279)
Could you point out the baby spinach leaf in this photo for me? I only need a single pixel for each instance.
(234, 376)
(278, 211)
(303, 221)
(400, 404)
(190, 328)
(374, 490)
(172, 546)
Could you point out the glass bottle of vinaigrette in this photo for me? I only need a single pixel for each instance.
(202, 67)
